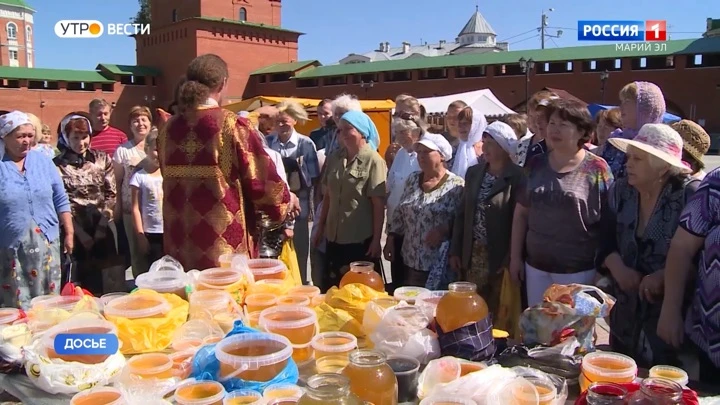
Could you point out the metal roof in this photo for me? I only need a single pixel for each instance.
(127, 70)
(291, 67)
(53, 75)
(245, 23)
(477, 24)
(16, 3)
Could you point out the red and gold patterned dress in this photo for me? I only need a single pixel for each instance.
(216, 178)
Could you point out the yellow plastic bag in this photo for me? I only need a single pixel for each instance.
(353, 298)
(289, 257)
(510, 309)
(146, 335)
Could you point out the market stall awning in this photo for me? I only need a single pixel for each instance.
(309, 103)
(480, 100)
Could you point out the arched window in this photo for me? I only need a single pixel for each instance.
(174, 15)
(11, 30)
(243, 14)
(28, 34)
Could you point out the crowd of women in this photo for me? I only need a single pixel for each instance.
(551, 197)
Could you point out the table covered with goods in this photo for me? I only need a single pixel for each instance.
(246, 333)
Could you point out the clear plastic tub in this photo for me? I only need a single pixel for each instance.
(219, 279)
(546, 390)
(194, 333)
(193, 392)
(182, 363)
(448, 400)
(259, 301)
(331, 364)
(243, 397)
(221, 305)
(606, 367)
(253, 319)
(164, 281)
(263, 269)
(298, 324)
(333, 344)
(674, 374)
(67, 303)
(283, 401)
(517, 391)
(9, 315)
(79, 324)
(99, 396)
(309, 291)
(317, 300)
(151, 365)
(409, 294)
(429, 301)
(105, 298)
(136, 306)
(283, 390)
(253, 356)
(294, 299)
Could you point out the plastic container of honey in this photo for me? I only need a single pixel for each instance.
(151, 365)
(317, 300)
(409, 294)
(105, 298)
(193, 392)
(98, 396)
(309, 291)
(294, 299)
(283, 390)
(363, 273)
(78, 325)
(195, 333)
(259, 301)
(333, 344)
(546, 390)
(67, 303)
(136, 306)
(298, 324)
(518, 391)
(182, 363)
(428, 301)
(219, 279)
(253, 356)
(263, 269)
(164, 281)
(253, 319)
(220, 304)
(674, 374)
(331, 364)
(446, 400)
(606, 367)
(243, 397)
(283, 401)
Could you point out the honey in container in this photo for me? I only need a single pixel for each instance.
(298, 324)
(363, 273)
(329, 389)
(200, 392)
(371, 378)
(261, 356)
(460, 306)
(606, 367)
(243, 397)
(99, 396)
(259, 301)
(151, 365)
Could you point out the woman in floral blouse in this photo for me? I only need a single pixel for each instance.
(89, 180)
(425, 215)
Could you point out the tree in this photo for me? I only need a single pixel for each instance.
(143, 14)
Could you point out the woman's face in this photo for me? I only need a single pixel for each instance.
(350, 137)
(603, 131)
(284, 125)
(140, 126)
(491, 150)
(563, 135)
(640, 171)
(628, 112)
(407, 137)
(79, 142)
(19, 141)
(337, 115)
(428, 159)
(47, 137)
(540, 121)
(464, 127)
(451, 120)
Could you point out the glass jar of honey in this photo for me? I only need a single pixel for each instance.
(363, 273)
(460, 306)
(329, 389)
(657, 391)
(371, 378)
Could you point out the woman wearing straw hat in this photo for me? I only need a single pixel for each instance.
(641, 217)
(696, 143)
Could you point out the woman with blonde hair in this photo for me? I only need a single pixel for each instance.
(302, 169)
(40, 143)
(471, 126)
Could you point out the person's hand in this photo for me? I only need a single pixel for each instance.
(652, 287)
(374, 251)
(294, 206)
(628, 279)
(455, 263)
(288, 233)
(517, 270)
(670, 327)
(389, 250)
(142, 243)
(434, 237)
(69, 244)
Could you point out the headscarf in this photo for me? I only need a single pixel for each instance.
(504, 135)
(8, 123)
(437, 143)
(365, 126)
(64, 122)
(465, 157)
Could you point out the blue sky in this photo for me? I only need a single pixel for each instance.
(333, 31)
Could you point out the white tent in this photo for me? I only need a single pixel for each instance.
(480, 100)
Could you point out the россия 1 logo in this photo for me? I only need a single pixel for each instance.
(86, 344)
(96, 29)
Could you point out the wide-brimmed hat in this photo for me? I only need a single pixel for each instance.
(696, 141)
(659, 140)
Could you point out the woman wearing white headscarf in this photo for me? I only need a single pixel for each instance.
(471, 125)
(33, 204)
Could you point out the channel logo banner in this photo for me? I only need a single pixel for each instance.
(622, 31)
(86, 344)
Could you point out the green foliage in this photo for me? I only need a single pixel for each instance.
(143, 14)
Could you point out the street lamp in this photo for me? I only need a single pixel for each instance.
(367, 86)
(603, 78)
(527, 66)
(150, 99)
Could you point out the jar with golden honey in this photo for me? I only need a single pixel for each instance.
(329, 389)
(371, 378)
(363, 273)
(460, 306)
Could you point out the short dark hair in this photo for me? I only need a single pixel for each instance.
(576, 113)
(323, 102)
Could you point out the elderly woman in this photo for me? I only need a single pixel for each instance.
(606, 122)
(340, 106)
(480, 248)
(90, 183)
(693, 259)
(471, 126)
(696, 143)
(39, 143)
(301, 166)
(640, 103)
(424, 216)
(537, 122)
(640, 218)
(556, 225)
(33, 204)
(353, 209)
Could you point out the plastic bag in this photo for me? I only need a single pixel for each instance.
(289, 258)
(403, 331)
(548, 360)
(510, 307)
(475, 385)
(352, 298)
(374, 312)
(207, 367)
(567, 310)
(338, 320)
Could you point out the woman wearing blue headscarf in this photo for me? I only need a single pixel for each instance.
(354, 189)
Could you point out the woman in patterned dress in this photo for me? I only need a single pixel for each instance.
(480, 247)
(33, 204)
(89, 180)
(425, 214)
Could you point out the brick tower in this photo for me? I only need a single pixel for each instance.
(16, 36)
(247, 34)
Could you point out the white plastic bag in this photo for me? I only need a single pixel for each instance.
(403, 331)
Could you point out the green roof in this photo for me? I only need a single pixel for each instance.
(286, 67)
(714, 24)
(16, 3)
(598, 52)
(246, 23)
(53, 75)
(126, 70)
